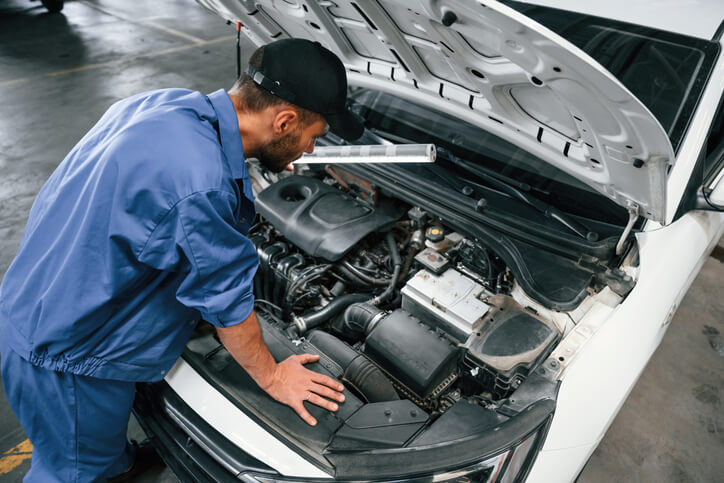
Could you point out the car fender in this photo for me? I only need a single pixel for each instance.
(597, 379)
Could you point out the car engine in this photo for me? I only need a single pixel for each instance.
(401, 306)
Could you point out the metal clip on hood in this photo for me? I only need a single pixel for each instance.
(493, 67)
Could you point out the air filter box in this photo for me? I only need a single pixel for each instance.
(417, 356)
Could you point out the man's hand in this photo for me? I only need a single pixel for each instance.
(293, 384)
(288, 382)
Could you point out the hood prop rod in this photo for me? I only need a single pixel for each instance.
(633, 215)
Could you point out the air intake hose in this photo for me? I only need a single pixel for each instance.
(359, 319)
(338, 304)
(309, 321)
(356, 370)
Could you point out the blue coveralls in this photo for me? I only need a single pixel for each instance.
(138, 233)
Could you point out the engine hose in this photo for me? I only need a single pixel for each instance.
(349, 276)
(360, 319)
(397, 263)
(309, 321)
(363, 276)
(414, 250)
(357, 371)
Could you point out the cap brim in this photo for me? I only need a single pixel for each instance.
(345, 124)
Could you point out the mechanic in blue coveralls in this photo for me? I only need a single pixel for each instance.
(139, 234)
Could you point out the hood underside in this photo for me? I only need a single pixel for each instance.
(493, 67)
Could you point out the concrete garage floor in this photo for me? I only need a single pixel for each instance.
(59, 73)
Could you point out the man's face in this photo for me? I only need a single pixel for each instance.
(283, 149)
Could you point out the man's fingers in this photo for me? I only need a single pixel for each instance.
(317, 377)
(294, 384)
(307, 358)
(321, 402)
(327, 381)
(304, 414)
(327, 392)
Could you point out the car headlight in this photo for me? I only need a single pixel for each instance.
(510, 465)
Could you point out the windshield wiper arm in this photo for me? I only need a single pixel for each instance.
(548, 211)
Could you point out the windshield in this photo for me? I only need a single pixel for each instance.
(402, 121)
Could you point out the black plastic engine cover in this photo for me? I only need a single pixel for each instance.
(321, 220)
(410, 351)
(386, 424)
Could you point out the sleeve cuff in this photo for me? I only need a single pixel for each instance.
(233, 315)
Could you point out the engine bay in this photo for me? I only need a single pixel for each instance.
(401, 306)
(440, 355)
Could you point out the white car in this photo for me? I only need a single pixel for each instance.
(490, 311)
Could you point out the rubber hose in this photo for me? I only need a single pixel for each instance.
(363, 276)
(309, 321)
(351, 276)
(414, 250)
(397, 262)
(390, 288)
(357, 319)
(357, 371)
(394, 251)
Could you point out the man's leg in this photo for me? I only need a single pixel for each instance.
(104, 407)
(77, 424)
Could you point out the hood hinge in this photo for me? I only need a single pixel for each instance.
(633, 215)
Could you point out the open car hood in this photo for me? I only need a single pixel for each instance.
(495, 68)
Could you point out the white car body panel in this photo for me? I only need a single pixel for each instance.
(555, 465)
(236, 426)
(596, 382)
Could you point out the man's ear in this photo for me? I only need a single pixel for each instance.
(285, 121)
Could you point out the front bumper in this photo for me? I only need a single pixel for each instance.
(161, 413)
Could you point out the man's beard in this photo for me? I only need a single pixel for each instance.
(278, 153)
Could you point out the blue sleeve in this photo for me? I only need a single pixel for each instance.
(201, 238)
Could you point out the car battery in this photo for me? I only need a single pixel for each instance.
(450, 301)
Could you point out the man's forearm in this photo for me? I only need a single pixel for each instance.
(245, 343)
(288, 382)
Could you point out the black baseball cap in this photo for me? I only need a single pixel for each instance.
(306, 74)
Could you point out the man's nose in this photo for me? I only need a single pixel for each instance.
(310, 147)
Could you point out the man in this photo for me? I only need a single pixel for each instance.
(138, 234)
